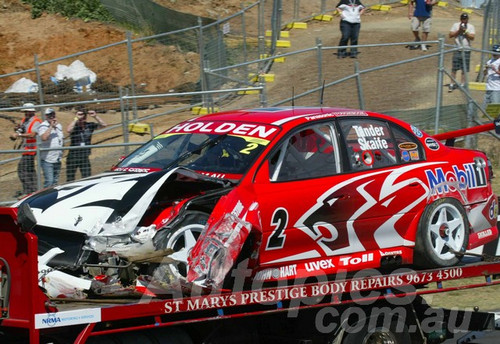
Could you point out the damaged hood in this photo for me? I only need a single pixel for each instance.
(111, 203)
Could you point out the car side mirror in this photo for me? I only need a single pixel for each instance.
(262, 175)
(26, 218)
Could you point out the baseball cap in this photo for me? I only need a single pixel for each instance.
(496, 48)
(50, 112)
(28, 107)
(464, 16)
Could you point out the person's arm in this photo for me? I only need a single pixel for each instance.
(470, 33)
(93, 114)
(33, 132)
(44, 132)
(410, 9)
(454, 31)
(71, 126)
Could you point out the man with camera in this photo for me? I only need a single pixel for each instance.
(81, 135)
(51, 135)
(26, 131)
(463, 32)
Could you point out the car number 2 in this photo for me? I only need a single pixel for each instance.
(279, 221)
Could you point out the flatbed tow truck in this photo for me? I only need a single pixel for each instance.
(369, 306)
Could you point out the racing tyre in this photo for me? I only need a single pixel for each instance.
(183, 237)
(443, 230)
(395, 333)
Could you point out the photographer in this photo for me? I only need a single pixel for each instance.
(81, 135)
(51, 135)
(463, 33)
(26, 131)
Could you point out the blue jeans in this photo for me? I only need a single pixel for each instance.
(350, 32)
(51, 172)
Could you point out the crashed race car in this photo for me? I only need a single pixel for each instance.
(292, 192)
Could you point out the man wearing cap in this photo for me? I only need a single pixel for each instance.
(27, 132)
(492, 72)
(463, 32)
(51, 137)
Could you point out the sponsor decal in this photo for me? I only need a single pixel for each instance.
(66, 318)
(132, 169)
(405, 156)
(349, 260)
(262, 131)
(407, 145)
(414, 155)
(336, 114)
(391, 253)
(493, 210)
(471, 176)
(319, 265)
(484, 234)
(371, 137)
(431, 144)
(213, 174)
(282, 272)
(416, 131)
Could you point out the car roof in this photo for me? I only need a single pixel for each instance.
(285, 116)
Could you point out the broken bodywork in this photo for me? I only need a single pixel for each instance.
(118, 227)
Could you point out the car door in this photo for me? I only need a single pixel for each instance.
(310, 210)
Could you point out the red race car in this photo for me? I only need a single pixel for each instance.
(292, 192)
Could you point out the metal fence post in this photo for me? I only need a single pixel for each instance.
(263, 95)
(296, 7)
(124, 120)
(439, 87)
(201, 49)
(361, 97)
(131, 69)
(319, 54)
(323, 6)
(261, 33)
(38, 163)
(244, 33)
(39, 80)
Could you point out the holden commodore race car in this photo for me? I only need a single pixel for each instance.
(293, 192)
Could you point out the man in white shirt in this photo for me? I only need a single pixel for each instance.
(492, 72)
(51, 135)
(463, 32)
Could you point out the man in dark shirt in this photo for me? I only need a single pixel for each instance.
(420, 13)
(81, 136)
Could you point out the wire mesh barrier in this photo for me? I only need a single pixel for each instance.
(235, 63)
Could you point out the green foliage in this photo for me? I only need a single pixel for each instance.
(84, 9)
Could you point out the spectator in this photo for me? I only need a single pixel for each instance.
(492, 72)
(51, 135)
(81, 135)
(27, 130)
(463, 33)
(420, 13)
(350, 23)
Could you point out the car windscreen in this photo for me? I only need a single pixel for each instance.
(231, 154)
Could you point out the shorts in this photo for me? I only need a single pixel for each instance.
(492, 97)
(457, 63)
(425, 22)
